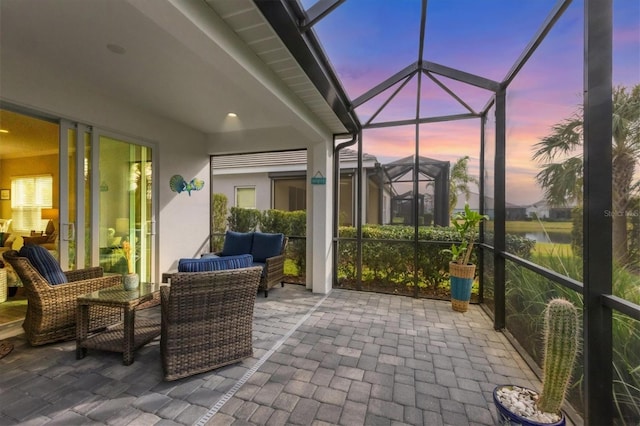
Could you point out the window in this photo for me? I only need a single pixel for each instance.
(246, 197)
(29, 195)
(290, 194)
(297, 199)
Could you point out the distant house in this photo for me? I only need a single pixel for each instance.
(278, 180)
(512, 211)
(543, 210)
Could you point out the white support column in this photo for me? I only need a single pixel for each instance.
(320, 218)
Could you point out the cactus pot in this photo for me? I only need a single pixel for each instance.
(507, 417)
(461, 279)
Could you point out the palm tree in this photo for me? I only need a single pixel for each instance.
(560, 154)
(459, 181)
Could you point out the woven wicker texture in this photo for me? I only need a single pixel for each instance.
(207, 320)
(459, 305)
(462, 271)
(51, 310)
(3, 285)
(124, 338)
(273, 270)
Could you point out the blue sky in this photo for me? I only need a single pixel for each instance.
(369, 40)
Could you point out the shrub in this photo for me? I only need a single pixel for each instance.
(243, 220)
(218, 220)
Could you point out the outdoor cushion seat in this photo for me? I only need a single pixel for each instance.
(215, 263)
(267, 249)
(44, 263)
(207, 320)
(51, 309)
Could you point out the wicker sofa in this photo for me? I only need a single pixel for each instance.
(207, 320)
(51, 309)
(268, 251)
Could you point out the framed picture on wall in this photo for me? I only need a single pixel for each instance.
(5, 194)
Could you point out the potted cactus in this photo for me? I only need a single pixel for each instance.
(519, 405)
(461, 271)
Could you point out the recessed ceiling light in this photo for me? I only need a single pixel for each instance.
(116, 48)
(232, 114)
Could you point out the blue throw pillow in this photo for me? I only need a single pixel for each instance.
(44, 263)
(266, 246)
(237, 243)
(215, 263)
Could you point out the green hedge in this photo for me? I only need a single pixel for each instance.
(387, 250)
(388, 255)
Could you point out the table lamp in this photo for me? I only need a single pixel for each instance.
(51, 214)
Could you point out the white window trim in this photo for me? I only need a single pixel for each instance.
(245, 187)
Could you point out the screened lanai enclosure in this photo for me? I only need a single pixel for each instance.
(530, 112)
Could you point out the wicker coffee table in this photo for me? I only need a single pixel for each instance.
(125, 337)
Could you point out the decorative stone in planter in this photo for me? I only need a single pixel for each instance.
(517, 406)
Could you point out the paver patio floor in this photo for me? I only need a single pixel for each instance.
(347, 358)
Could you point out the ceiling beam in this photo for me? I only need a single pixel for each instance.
(449, 91)
(421, 121)
(381, 87)
(318, 11)
(465, 77)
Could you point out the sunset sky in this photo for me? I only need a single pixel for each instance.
(370, 40)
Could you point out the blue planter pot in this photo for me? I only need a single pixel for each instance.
(506, 417)
(460, 280)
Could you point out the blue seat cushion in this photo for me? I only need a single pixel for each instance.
(215, 263)
(266, 246)
(45, 263)
(237, 243)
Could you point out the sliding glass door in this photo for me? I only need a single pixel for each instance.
(88, 191)
(126, 224)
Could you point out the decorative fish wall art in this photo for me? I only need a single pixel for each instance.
(178, 184)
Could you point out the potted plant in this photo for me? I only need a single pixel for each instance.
(130, 280)
(519, 405)
(461, 271)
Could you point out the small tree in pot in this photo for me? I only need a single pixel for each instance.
(518, 405)
(461, 271)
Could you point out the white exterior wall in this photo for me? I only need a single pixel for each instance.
(320, 219)
(183, 222)
(226, 184)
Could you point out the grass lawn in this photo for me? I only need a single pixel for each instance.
(535, 226)
(562, 250)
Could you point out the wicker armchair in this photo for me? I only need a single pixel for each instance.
(51, 309)
(207, 320)
(273, 266)
(274, 270)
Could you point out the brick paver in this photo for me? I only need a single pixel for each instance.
(357, 358)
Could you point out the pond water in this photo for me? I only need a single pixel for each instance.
(546, 237)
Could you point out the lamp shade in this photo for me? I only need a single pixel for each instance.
(51, 214)
(122, 225)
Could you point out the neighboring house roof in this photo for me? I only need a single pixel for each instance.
(543, 204)
(474, 202)
(427, 166)
(280, 161)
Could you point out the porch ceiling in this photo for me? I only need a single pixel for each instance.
(171, 66)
